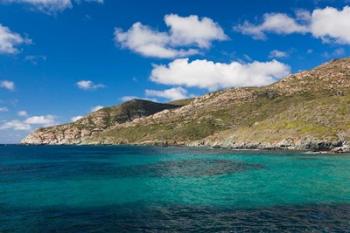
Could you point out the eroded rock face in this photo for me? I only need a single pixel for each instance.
(305, 111)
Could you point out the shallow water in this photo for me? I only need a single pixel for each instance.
(154, 189)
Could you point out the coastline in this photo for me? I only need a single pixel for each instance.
(291, 114)
(335, 151)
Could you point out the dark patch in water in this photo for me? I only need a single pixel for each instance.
(170, 218)
(187, 168)
(53, 170)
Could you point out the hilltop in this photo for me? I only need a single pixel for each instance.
(309, 110)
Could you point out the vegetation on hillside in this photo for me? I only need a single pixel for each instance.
(311, 107)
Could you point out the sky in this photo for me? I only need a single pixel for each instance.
(62, 59)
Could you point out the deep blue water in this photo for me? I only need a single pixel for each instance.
(153, 189)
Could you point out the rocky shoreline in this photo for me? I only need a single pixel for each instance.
(310, 147)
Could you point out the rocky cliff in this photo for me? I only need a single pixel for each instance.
(309, 110)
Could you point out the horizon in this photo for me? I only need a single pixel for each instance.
(61, 60)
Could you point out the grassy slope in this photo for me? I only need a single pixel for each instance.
(322, 117)
(321, 114)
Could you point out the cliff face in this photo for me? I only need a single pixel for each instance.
(306, 111)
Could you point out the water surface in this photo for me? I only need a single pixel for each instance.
(154, 189)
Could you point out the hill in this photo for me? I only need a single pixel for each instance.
(96, 122)
(309, 110)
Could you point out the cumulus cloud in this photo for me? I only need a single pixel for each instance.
(175, 93)
(96, 108)
(147, 42)
(3, 109)
(328, 24)
(190, 32)
(89, 85)
(278, 54)
(9, 41)
(49, 6)
(8, 85)
(274, 23)
(213, 75)
(331, 24)
(193, 30)
(76, 118)
(29, 123)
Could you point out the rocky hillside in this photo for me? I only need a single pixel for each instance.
(304, 111)
(96, 122)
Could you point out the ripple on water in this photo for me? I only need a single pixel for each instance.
(176, 218)
(187, 168)
(178, 168)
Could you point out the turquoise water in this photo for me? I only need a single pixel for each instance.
(154, 189)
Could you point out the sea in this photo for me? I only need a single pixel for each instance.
(105, 189)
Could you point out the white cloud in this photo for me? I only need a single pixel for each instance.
(191, 32)
(49, 6)
(29, 123)
(274, 23)
(147, 42)
(170, 94)
(47, 120)
(331, 24)
(210, 75)
(328, 24)
(8, 85)
(76, 118)
(278, 54)
(96, 108)
(15, 125)
(10, 40)
(89, 85)
(22, 113)
(3, 109)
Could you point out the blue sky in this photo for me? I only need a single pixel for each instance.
(59, 59)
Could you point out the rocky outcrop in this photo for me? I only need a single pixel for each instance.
(305, 111)
(294, 144)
